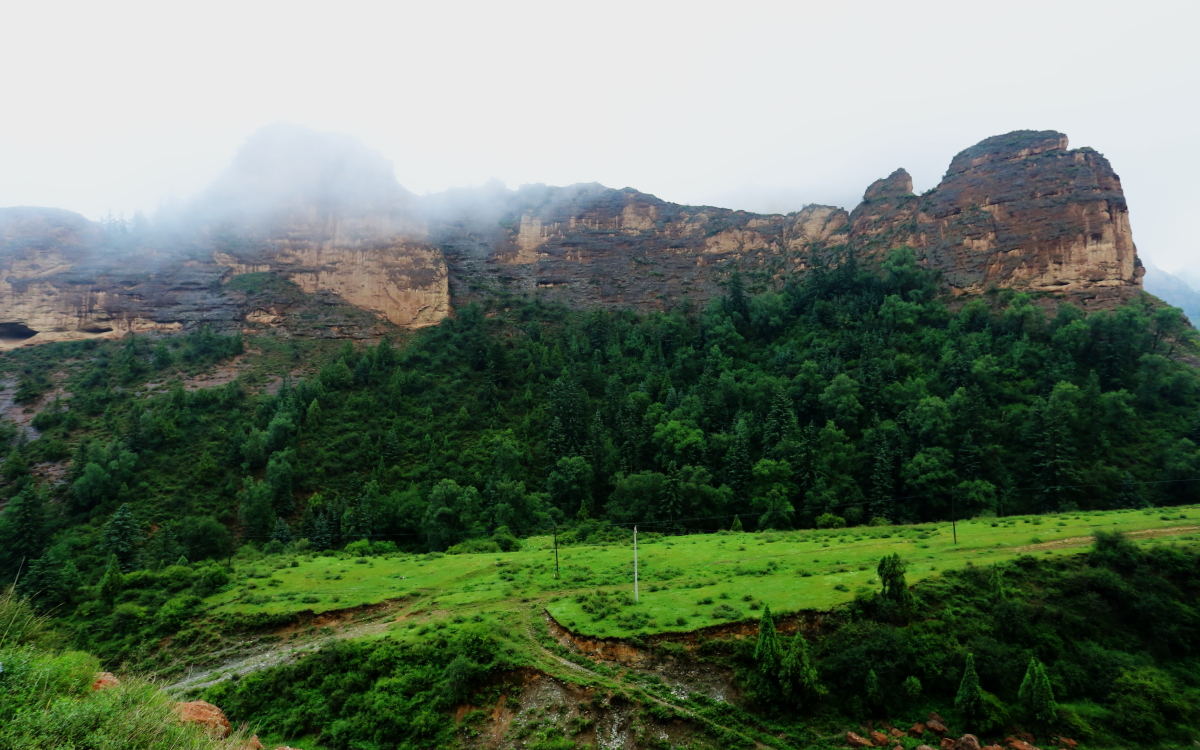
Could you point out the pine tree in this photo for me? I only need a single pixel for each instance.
(312, 417)
(1025, 692)
(873, 692)
(52, 579)
(970, 695)
(767, 651)
(737, 462)
(322, 535)
(780, 424)
(23, 528)
(1036, 695)
(1045, 710)
(282, 533)
(78, 462)
(736, 301)
(391, 448)
(121, 536)
(737, 524)
(567, 417)
(797, 674)
(998, 589)
(113, 581)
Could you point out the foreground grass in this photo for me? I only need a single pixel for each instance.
(685, 582)
(47, 700)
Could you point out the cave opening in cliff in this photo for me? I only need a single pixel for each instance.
(16, 331)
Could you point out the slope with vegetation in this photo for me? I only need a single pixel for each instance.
(852, 399)
(47, 699)
(1098, 647)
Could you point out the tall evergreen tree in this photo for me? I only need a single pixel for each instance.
(996, 585)
(780, 423)
(312, 417)
(737, 304)
(797, 675)
(969, 699)
(52, 580)
(566, 408)
(23, 529)
(767, 654)
(121, 535)
(1036, 695)
(282, 533)
(737, 463)
(113, 581)
(392, 452)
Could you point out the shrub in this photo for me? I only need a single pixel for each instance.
(830, 521)
(210, 580)
(475, 547)
(360, 548)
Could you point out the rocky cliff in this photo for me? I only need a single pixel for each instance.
(1019, 210)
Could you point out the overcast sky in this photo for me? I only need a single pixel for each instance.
(757, 105)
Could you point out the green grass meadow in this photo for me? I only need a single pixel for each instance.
(685, 582)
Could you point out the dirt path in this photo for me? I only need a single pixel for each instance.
(617, 685)
(239, 662)
(1080, 541)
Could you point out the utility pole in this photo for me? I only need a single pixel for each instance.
(635, 582)
(953, 521)
(556, 550)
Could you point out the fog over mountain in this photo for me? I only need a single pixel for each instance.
(125, 106)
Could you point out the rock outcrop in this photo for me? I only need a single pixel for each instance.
(205, 714)
(1020, 210)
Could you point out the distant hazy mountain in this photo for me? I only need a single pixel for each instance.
(1174, 290)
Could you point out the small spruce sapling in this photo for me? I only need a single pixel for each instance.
(797, 675)
(873, 691)
(113, 580)
(737, 524)
(970, 695)
(1036, 695)
(767, 652)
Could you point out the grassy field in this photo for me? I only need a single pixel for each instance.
(685, 582)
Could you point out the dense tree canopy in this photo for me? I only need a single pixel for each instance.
(850, 396)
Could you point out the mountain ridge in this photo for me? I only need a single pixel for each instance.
(1019, 210)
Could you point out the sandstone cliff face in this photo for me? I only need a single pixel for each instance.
(1019, 210)
(51, 288)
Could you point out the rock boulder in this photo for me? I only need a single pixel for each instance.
(105, 680)
(206, 715)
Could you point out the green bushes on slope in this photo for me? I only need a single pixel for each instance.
(847, 396)
(385, 694)
(47, 701)
(1100, 647)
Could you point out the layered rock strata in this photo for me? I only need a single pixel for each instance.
(1020, 210)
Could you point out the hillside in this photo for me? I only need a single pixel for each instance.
(209, 507)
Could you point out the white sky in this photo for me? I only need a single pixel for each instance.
(765, 106)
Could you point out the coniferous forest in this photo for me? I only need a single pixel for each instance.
(852, 397)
